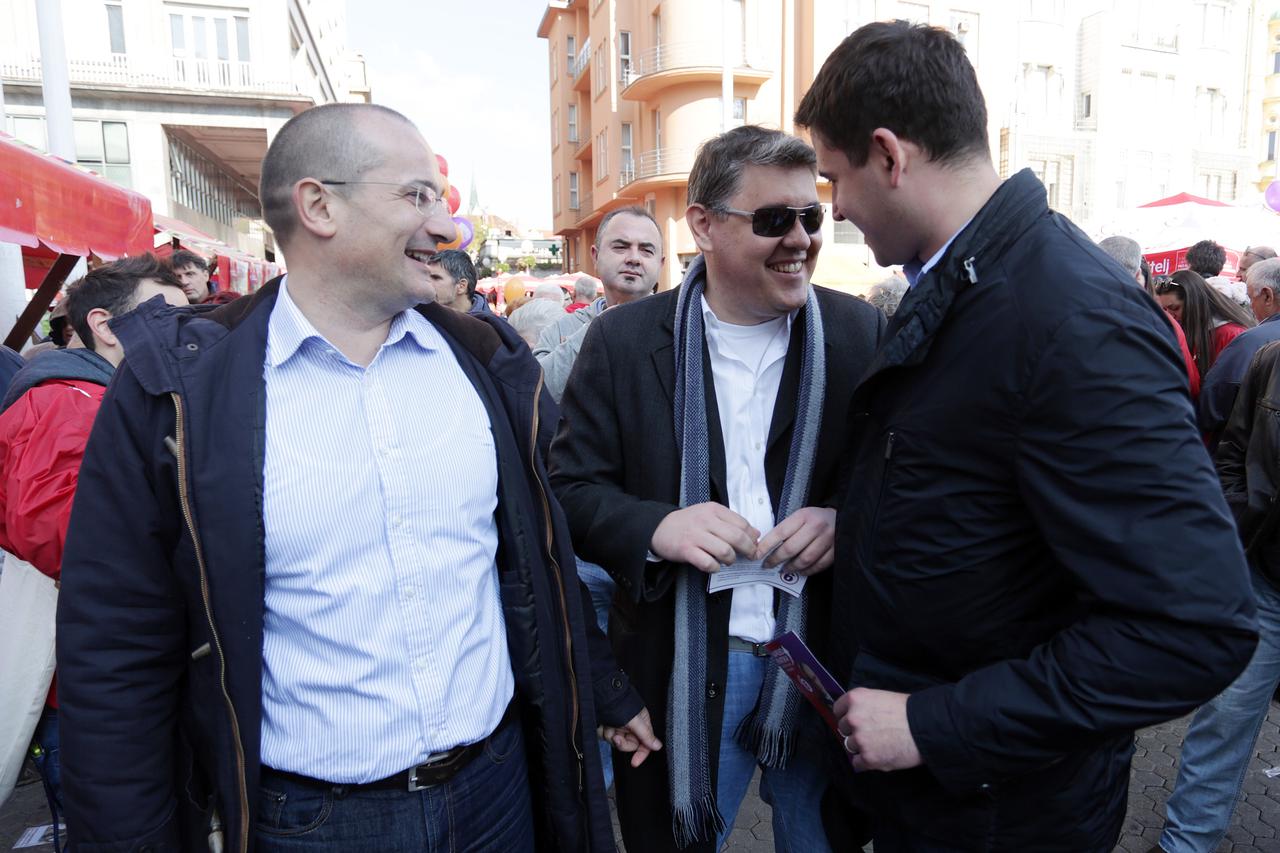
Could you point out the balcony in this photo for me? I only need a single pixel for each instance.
(689, 62)
(583, 149)
(578, 67)
(584, 209)
(164, 74)
(662, 167)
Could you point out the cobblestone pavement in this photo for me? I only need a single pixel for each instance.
(1255, 827)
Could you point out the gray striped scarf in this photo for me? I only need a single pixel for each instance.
(770, 728)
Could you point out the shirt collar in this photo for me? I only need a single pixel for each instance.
(913, 269)
(710, 320)
(288, 329)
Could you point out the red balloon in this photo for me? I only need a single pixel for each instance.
(455, 200)
(444, 165)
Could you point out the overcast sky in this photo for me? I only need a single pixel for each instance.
(472, 74)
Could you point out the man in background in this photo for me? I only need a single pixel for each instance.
(454, 277)
(193, 271)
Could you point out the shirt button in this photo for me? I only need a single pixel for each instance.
(409, 592)
(760, 501)
(758, 445)
(713, 690)
(395, 521)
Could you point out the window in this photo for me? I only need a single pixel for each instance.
(657, 129)
(740, 109)
(627, 163)
(115, 27)
(29, 129)
(199, 41)
(1086, 105)
(916, 13)
(1211, 111)
(1214, 23)
(964, 26)
(657, 28)
(651, 205)
(103, 146)
(197, 183)
(555, 65)
(555, 129)
(1050, 174)
(1275, 63)
(601, 154)
(847, 233)
(570, 53)
(221, 40)
(1271, 145)
(177, 35)
(242, 39)
(573, 191)
(1218, 184)
(573, 123)
(599, 70)
(624, 57)
(555, 196)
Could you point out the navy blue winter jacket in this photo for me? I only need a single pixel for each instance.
(161, 614)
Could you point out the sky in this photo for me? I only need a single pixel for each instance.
(472, 74)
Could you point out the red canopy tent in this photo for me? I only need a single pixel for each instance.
(47, 202)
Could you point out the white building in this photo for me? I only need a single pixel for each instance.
(178, 99)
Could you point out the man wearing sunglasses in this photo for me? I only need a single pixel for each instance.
(1033, 558)
(704, 428)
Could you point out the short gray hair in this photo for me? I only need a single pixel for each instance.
(584, 289)
(1125, 251)
(886, 294)
(325, 143)
(532, 317)
(1264, 274)
(549, 291)
(716, 175)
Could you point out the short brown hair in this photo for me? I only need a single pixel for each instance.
(113, 287)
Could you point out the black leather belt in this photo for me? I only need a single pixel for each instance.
(439, 768)
(737, 644)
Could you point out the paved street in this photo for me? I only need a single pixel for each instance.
(1255, 827)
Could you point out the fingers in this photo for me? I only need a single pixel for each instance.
(802, 541)
(639, 756)
(706, 536)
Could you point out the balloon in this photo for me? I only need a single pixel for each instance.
(455, 199)
(1272, 196)
(466, 232)
(455, 242)
(444, 165)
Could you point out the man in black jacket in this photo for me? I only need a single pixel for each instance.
(1033, 558)
(1221, 737)
(760, 366)
(317, 626)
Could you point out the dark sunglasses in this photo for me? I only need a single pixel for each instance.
(776, 221)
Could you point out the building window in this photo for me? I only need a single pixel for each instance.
(29, 129)
(555, 65)
(1215, 19)
(657, 129)
(222, 41)
(103, 146)
(1055, 173)
(627, 163)
(1271, 145)
(1275, 63)
(555, 130)
(1086, 105)
(847, 233)
(570, 53)
(1211, 111)
(600, 80)
(573, 191)
(624, 57)
(242, 39)
(1217, 184)
(740, 109)
(201, 185)
(601, 154)
(115, 27)
(555, 196)
(199, 38)
(916, 13)
(651, 205)
(573, 123)
(177, 35)
(964, 26)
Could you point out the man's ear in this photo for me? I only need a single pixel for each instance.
(698, 218)
(892, 155)
(461, 286)
(97, 319)
(314, 207)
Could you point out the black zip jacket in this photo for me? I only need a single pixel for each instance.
(1033, 544)
(160, 617)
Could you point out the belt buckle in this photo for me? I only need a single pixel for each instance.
(440, 758)
(759, 650)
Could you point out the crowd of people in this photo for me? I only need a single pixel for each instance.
(354, 564)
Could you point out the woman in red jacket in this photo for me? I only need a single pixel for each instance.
(1210, 319)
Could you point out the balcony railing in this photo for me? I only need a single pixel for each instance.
(580, 62)
(171, 72)
(627, 173)
(585, 205)
(667, 57)
(662, 161)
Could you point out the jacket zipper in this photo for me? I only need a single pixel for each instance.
(564, 608)
(884, 488)
(184, 498)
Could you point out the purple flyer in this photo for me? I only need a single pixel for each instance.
(811, 677)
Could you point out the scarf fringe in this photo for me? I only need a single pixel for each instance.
(692, 822)
(771, 747)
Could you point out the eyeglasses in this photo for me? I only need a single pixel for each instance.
(424, 198)
(777, 221)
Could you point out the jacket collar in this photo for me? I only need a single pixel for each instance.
(82, 364)
(1017, 204)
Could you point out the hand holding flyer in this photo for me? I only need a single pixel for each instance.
(811, 677)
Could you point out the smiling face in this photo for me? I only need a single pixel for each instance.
(628, 257)
(753, 279)
(382, 241)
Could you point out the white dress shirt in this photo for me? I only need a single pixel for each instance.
(383, 634)
(746, 364)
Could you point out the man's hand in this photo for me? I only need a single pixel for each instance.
(706, 536)
(805, 541)
(635, 737)
(874, 723)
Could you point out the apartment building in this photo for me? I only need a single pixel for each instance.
(178, 99)
(1112, 103)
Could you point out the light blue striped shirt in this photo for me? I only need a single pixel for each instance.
(383, 637)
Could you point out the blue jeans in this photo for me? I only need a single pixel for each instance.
(601, 587)
(1220, 741)
(48, 760)
(793, 792)
(485, 807)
